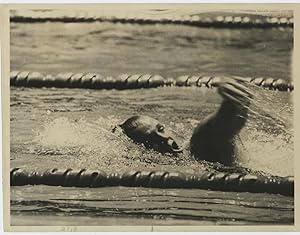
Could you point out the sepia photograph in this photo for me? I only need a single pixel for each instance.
(151, 115)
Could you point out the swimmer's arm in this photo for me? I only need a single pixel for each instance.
(213, 138)
(229, 119)
(223, 124)
(233, 112)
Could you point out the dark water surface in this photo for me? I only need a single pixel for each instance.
(72, 127)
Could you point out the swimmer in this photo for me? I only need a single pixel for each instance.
(213, 139)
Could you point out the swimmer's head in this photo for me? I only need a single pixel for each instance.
(151, 133)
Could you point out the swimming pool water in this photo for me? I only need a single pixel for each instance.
(72, 127)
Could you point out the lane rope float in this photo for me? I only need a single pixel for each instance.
(127, 81)
(219, 21)
(155, 179)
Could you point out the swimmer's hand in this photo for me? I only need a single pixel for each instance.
(234, 89)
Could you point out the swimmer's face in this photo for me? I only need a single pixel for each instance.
(151, 133)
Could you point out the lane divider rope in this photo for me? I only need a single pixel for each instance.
(154, 179)
(221, 21)
(127, 81)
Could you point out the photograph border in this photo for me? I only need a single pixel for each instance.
(5, 64)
